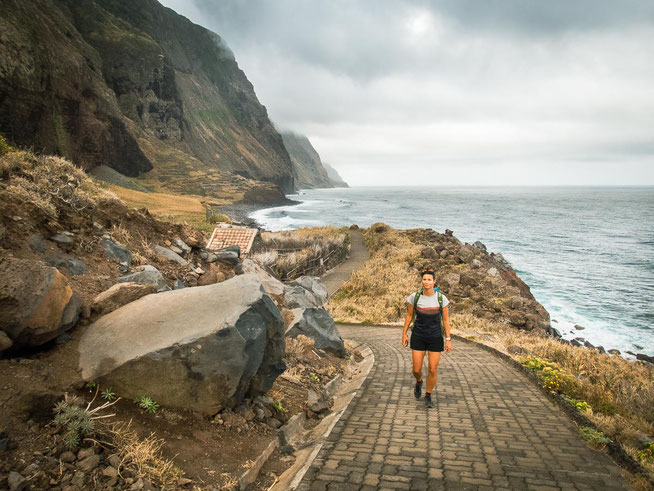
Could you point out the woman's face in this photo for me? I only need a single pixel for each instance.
(427, 281)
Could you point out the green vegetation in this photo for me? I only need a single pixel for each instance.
(147, 404)
(314, 377)
(594, 437)
(4, 146)
(646, 454)
(581, 406)
(279, 407)
(77, 421)
(108, 394)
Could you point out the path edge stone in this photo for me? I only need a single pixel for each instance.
(614, 449)
(291, 478)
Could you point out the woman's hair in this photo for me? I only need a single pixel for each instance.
(430, 271)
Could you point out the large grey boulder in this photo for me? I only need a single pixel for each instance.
(315, 285)
(120, 294)
(148, 275)
(36, 302)
(298, 297)
(201, 348)
(317, 324)
(170, 255)
(271, 285)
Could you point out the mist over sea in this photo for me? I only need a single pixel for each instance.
(587, 253)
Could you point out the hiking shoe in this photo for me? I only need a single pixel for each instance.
(428, 401)
(417, 391)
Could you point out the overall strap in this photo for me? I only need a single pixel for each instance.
(415, 306)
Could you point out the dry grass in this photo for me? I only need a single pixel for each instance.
(306, 251)
(141, 456)
(619, 392)
(49, 184)
(377, 292)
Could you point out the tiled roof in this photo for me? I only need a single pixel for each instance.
(224, 236)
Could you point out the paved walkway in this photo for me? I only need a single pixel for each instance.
(341, 273)
(491, 429)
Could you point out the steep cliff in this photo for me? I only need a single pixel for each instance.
(335, 176)
(308, 169)
(137, 87)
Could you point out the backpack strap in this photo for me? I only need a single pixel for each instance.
(415, 306)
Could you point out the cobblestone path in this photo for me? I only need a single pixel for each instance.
(491, 429)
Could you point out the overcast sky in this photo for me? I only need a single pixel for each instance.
(453, 91)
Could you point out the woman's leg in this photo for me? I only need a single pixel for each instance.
(418, 357)
(434, 357)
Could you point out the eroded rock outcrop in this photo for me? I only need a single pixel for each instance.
(317, 324)
(202, 348)
(37, 303)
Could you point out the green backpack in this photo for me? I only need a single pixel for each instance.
(415, 306)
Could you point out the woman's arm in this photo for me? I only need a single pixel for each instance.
(446, 324)
(407, 322)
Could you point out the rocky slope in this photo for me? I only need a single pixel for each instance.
(308, 169)
(136, 87)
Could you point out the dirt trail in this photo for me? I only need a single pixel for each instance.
(359, 254)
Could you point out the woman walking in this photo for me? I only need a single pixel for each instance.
(427, 335)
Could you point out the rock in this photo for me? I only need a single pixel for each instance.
(313, 284)
(444, 253)
(476, 263)
(451, 279)
(67, 456)
(493, 272)
(468, 280)
(499, 260)
(199, 271)
(78, 479)
(429, 253)
(37, 244)
(176, 250)
(515, 302)
(16, 482)
(517, 350)
(210, 257)
(178, 284)
(518, 319)
(581, 340)
(574, 342)
(614, 351)
(637, 346)
(37, 302)
(479, 245)
(232, 248)
(449, 233)
(110, 471)
(316, 404)
(120, 294)
(208, 279)
(4, 442)
(170, 255)
(259, 414)
(148, 275)
(182, 481)
(466, 254)
(5, 342)
(264, 400)
(183, 246)
(85, 453)
(75, 266)
(89, 463)
(209, 346)
(644, 357)
(271, 285)
(317, 324)
(274, 423)
(579, 328)
(115, 251)
(298, 297)
(600, 349)
(63, 238)
(114, 461)
(554, 332)
(227, 256)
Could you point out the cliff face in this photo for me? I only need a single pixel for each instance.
(308, 169)
(335, 176)
(137, 87)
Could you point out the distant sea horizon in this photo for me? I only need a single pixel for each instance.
(586, 251)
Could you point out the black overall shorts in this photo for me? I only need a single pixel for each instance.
(426, 334)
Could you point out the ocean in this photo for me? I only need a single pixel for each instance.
(587, 253)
